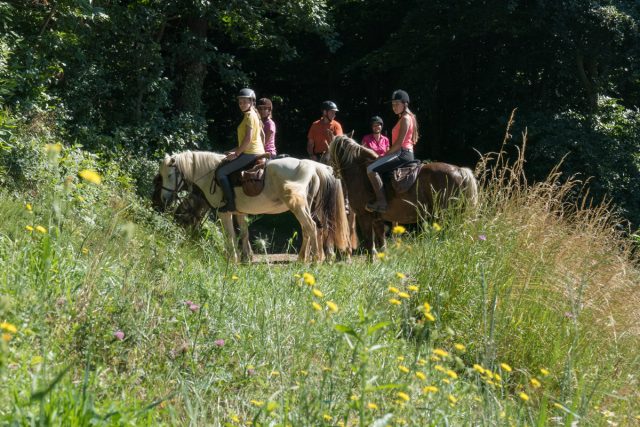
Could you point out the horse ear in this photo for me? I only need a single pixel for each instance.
(350, 134)
(172, 161)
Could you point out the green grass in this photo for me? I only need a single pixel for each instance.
(523, 283)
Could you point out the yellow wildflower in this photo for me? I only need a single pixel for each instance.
(452, 399)
(394, 289)
(427, 307)
(440, 352)
(28, 228)
(234, 277)
(440, 368)
(372, 406)
(316, 306)
(8, 327)
(327, 417)
(53, 148)
(400, 358)
(437, 226)
(452, 374)
(275, 373)
(235, 418)
(404, 295)
(434, 358)
(524, 396)
(28, 207)
(413, 288)
(317, 292)
(535, 383)
(6, 337)
(459, 347)
(258, 403)
(505, 367)
(272, 406)
(394, 301)
(354, 398)
(398, 229)
(401, 276)
(85, 251)
(421, 375)
(404, 396)
(404, 369)
(497, 377)
(544, 372)
(304, 373)
(91, 176)
(429, 317)
(421, 362)
(478, 368)
(332, 306)
(41, 229)
(380, 255)
(430, 389)
(309, 279)
(446, 381)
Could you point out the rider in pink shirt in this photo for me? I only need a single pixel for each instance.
(376, 141)
(404, 136)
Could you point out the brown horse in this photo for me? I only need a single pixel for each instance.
(436, 186)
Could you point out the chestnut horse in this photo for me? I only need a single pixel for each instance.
(436, 186)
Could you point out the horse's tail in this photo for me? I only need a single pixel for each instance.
(469, 186)
(330, 208)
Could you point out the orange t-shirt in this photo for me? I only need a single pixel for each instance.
(318, 134)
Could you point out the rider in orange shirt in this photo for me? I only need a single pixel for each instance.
(323, 130)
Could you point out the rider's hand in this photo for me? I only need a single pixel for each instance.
(231, 155)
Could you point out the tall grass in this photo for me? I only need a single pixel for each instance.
(531, 316)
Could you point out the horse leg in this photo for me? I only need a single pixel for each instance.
(353, 236)
(365, 224)
(378, 234)
(227, 224)
(310, 246)
(247, 252)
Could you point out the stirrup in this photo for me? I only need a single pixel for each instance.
(227, 208)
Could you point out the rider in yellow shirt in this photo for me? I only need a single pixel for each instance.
(250, 147)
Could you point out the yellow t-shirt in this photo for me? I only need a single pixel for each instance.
(256, 146)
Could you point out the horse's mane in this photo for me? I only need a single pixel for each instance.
(193, 164)
(345, 151)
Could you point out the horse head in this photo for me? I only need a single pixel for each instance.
(171, 180)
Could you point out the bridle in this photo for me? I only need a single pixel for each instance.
(179, 182)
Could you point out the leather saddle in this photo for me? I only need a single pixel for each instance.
(403, 178)
(250, 178)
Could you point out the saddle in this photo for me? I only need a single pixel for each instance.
(251, 178)
(403, 178)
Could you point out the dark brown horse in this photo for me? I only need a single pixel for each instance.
(436, 186)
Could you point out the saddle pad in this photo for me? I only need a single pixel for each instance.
(403, 178)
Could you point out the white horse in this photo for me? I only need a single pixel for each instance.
(306, 188)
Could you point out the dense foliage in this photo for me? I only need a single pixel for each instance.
(149, 76)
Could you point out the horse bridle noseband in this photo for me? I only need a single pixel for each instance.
(179, 181)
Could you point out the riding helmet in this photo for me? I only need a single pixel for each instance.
(247, 93)
(376, 119)
(329, 106)
(400, 95)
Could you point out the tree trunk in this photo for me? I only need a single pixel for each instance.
(193, 69)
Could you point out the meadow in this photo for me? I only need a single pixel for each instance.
(524, 311)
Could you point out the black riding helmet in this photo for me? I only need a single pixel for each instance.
(400, 95)
(329, 106)
(247, 93)
(376, 119)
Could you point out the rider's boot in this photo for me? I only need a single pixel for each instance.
(229, 195)
(380, 205)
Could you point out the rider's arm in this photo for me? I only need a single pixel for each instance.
(310, 146)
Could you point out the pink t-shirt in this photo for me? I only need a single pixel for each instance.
(270, 143)
(380, 147)
(408, 138)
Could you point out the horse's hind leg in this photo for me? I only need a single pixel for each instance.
(247, 253)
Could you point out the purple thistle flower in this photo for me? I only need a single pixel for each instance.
(119, 335)
(194, 307)
(251, 372)
(188, 303)
(482, 237)
(219, 343)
